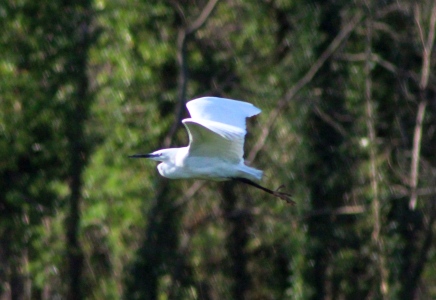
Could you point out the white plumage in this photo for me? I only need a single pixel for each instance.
(216, 129)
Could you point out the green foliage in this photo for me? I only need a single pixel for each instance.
(75, 103)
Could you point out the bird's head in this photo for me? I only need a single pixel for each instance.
(163, 155)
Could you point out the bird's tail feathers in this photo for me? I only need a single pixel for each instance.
(250, 173)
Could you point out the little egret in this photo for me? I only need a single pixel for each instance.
(216, 129)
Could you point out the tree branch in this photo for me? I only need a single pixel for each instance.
(377, 241)
(417, 137)
(207, 10)
(425, 71)
(328, 52)
(182, 37)
(329, 120)
(344, 210)
(426, 246)
(387, 65)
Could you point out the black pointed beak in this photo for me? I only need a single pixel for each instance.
(148, 155)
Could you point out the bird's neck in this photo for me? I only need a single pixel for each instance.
(174, 156)
(173, 166)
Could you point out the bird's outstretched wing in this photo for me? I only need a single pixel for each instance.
(227, 111)
(215, 140)
(218, 127)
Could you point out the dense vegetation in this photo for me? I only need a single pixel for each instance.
(347, 90)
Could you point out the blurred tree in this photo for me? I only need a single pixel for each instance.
(347, 94)
(81, 33)
(32, 141)
(46, 99)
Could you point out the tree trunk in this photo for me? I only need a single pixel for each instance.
(237, 239)
(78, 148)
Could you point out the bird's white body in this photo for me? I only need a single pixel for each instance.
(216, 145)
(211, 168)
(217, 129)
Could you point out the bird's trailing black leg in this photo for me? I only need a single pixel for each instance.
(281, 195)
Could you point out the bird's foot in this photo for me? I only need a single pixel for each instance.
(283, 196)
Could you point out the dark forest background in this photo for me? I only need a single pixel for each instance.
(348, 94)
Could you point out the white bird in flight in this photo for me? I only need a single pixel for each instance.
(216, 129)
